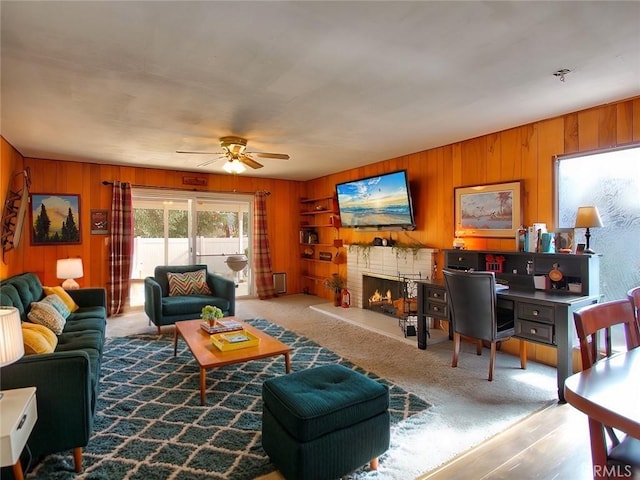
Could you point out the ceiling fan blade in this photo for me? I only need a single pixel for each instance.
(278, 156)
(198, 153)
(250, 162)
(212, 161)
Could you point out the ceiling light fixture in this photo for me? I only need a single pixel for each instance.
(561, 73)
(234, 166)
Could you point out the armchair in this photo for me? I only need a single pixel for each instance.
(163, 309)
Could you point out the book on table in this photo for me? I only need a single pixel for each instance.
(221, 326)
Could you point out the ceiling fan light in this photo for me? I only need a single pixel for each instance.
(234, 166)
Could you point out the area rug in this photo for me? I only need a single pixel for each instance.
(150, 425)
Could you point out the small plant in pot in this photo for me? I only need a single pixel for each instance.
(211, 314)
(335, 283)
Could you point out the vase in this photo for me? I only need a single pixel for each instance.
(212, 322)
(337, 298)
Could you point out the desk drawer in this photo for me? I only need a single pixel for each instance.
(461, 260)
(438, 294)
(539, 332)
(536, 312)
(437, 310)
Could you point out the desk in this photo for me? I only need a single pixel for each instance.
(609, 393)
(540, 316)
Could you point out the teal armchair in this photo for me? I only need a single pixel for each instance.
(163, 309)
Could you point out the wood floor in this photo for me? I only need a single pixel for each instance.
(550, 445)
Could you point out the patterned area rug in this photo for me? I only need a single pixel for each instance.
(150, 425)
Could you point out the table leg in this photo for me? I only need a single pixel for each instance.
(203, 385)
(17, 471)
(175, 342)
(287, 363)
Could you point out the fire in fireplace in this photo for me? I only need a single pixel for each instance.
(397, 301)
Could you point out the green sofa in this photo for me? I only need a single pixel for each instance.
(163, 309)
(67, 380)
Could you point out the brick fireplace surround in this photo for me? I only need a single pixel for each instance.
(385, 261)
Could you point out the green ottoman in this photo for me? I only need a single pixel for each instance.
(324, 422)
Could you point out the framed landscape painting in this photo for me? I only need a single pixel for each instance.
(55, 219)
(493, 210)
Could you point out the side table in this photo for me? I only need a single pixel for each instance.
(19, 414)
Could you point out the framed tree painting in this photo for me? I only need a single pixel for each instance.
(55, 219)
(493, 210)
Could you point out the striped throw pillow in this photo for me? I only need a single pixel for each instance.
(188, 283)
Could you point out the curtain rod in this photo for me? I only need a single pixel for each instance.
(137, 185)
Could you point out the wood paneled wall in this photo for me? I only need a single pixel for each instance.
(521, 153)
(85, 179)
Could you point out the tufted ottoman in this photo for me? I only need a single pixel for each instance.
(324, 422)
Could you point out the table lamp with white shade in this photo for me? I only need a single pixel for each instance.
(11, 344)
(588, 217)
(69, 269)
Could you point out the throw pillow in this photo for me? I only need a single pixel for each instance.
(188, 283)
(62, 293)
(44, 314)
(38, 338)
(56, 302)
(34, 342)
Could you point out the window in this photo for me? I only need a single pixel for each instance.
(610, 180)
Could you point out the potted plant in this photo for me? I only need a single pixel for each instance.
(335, 283)
(211, 314)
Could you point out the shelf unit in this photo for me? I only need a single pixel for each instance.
(318, 245)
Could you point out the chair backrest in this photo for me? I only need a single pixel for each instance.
(472, 303)
(600, 317)
(160, 274)
(634, 298)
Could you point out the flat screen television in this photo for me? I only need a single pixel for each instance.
(381, 202)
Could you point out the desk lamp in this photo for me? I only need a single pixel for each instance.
(11, 344)
(69, 269)
(588, 217)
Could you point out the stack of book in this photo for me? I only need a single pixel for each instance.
(221, 326)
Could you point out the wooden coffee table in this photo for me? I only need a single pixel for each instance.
(208, 356)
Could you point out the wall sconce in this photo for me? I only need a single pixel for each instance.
(69, 269)
(11, 343)
(588, 217)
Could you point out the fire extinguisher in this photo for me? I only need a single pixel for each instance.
(346, 298)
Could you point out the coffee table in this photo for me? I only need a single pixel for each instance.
(208, 356)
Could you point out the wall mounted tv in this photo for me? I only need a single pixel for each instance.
(381, 202)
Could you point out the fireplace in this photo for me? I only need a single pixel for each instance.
(392, 295)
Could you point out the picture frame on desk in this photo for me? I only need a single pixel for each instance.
(492, 210)
(565, 240)
(580, 248)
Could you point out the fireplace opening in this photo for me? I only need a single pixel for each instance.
(393, 296)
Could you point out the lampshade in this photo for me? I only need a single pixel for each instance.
(69, 268)
(234, 166)
(588, 217)
(11, 344)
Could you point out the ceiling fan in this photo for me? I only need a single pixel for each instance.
(234, 151)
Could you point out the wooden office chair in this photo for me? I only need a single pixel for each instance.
(593, 322)
(474, 313)
(634, 298)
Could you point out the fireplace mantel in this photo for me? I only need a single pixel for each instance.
(386, 261)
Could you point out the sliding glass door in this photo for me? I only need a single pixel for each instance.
(180, 228)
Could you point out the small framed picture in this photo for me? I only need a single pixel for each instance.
(99, 222)
(565, 240)
(580, 248)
